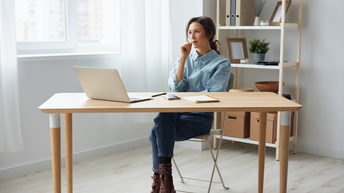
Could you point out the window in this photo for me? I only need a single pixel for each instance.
(46, 26)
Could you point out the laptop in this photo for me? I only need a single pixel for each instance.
(104, 84)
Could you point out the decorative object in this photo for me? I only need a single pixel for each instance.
(237, 49)
(267, 86)
(277, 14)
(244, 61)
(258, 48)
(264, 22)
(256, 21)
(258, 7)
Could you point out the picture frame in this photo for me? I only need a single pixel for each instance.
(276, 16)
(237, 49)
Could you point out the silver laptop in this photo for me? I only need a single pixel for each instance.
(104, 84)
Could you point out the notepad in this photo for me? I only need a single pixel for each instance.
(201, 99)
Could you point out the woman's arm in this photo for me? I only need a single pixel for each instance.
(185, 51)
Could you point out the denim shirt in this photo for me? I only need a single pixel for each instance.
(207, 73)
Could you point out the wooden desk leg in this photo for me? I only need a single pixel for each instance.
(284, 150)
(69, 151)
(55, 140)
(261, 150)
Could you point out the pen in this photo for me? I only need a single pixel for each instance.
(155, 95)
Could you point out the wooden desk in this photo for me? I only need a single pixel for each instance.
(262, 102)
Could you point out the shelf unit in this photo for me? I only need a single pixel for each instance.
(280, 68)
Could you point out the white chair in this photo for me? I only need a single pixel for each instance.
(207, 139)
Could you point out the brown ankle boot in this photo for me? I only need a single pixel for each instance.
(166, 179)
(156, 184)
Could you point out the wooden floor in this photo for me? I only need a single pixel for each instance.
(130, 171)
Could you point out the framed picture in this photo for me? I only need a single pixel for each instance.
(277, 14)
(237, 49)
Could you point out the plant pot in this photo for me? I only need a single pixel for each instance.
(258, 57)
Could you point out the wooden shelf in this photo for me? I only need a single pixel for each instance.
(278, 28)
(245, 140)
(249, 141)
(233, 31)
(257, 66)
(254, 66)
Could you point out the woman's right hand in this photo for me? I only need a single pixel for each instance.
(186, 49)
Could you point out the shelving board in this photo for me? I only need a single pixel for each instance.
(249, 141)
(245, 140)
(256, 66)
(286, 26)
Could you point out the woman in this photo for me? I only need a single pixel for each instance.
(200, 69)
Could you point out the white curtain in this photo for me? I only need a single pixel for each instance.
(145, 46)
(10, 133)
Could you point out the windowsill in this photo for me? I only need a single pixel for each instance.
(47, 55)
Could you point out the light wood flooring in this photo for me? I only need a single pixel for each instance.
(130, 171)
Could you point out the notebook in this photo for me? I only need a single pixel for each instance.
(104, 84)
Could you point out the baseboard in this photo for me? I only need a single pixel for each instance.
(315, 149)
(44, 165)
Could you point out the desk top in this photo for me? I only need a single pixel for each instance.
(229, 101)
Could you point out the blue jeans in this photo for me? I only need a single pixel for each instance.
(171, 127)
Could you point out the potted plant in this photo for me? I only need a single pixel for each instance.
(258, 48)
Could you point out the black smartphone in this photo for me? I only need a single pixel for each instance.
(171, 97)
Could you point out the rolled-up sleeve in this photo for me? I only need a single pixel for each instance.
(173, 84)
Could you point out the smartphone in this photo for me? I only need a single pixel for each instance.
(171, 97)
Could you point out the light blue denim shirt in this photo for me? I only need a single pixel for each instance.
(207, 73)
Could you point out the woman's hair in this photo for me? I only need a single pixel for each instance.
(209, 28)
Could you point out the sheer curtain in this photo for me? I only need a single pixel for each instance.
(10, 133)
(145, 45)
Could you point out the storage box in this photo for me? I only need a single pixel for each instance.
(237, 124)
(271, 127)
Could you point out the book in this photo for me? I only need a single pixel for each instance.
(201, 99)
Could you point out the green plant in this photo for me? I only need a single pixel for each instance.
(259, 46)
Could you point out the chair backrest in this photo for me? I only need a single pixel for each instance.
(231, 81)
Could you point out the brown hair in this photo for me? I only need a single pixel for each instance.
(209, 28)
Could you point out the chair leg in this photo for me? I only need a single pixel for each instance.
(177, 168)
(215, 165)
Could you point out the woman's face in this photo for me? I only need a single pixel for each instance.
(197, 36)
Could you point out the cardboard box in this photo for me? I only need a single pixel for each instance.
(271, 127)
(237, 124)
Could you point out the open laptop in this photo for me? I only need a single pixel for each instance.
(104, 84)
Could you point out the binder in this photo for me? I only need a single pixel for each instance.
(245, 13)
(239, 13)
(230, 12)
(233, 12)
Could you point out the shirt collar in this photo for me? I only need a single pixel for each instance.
(205, 58)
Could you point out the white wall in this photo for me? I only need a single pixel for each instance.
(94, 134)
(322, 93)
(322, 90)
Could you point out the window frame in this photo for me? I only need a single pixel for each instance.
(70, 45)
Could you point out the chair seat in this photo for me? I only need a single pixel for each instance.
(206, 136)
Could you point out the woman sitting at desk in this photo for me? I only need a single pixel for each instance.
(201, 69)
